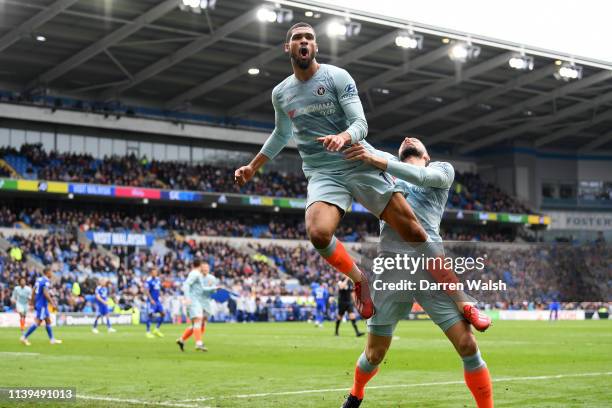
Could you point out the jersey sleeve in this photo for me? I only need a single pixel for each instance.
(283, 130)
(436, 175)
(348, 97)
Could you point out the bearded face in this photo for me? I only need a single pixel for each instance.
(302, 47)
(411, 147)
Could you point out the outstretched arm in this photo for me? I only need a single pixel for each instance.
(439, 176)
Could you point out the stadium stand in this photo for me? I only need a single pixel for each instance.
(31, 161)
(535, 274)
(218, 223)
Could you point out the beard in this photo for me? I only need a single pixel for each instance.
(410, 151)
(303, 63)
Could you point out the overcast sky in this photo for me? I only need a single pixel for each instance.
(582, 28)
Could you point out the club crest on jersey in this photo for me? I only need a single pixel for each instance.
(320, 90)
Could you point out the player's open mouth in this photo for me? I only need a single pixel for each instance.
(303, 51)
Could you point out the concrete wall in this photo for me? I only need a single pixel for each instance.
(594, 170)
(521, 171)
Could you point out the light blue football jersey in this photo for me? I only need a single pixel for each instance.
(326, 104)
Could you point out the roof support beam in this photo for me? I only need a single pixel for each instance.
(438, 86)
(567, 112)
(408, 66)
(464, 103)
(118, 64)
(353, 56)
(596, 143)
(34, 22)
(576, 128)
(227, 76)
(181, 54)
(105, 42)
(514, 109)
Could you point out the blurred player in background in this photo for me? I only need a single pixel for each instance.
(554, 310)
(426, 187)
(198, 288)
(154, 306)
(21, 296)
(176, 308)
(321, 296)
(345, 305)
(41, 299)
(101, 294)
(319, 107)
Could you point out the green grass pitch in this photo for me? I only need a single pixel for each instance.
(533, 364)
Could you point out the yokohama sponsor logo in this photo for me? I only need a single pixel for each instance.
(326, 108)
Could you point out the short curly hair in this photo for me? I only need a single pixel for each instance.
(293, 27)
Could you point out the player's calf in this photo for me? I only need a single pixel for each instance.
(367, 367)
(365, 370)
(478, 380)
(476, 373)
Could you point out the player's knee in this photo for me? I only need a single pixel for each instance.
(467, 345)
(319, 236)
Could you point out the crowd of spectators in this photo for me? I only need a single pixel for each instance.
(64, 250)
(476, 235)
(257, 275)
(128, 267)
(536, 273)
(541, 273)
(235, 224)
(469, 192)
(142, 172)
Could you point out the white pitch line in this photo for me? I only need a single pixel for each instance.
(141, 402)
(18, 354)
(374, 387)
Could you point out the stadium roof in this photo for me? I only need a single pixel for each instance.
(152, 53)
